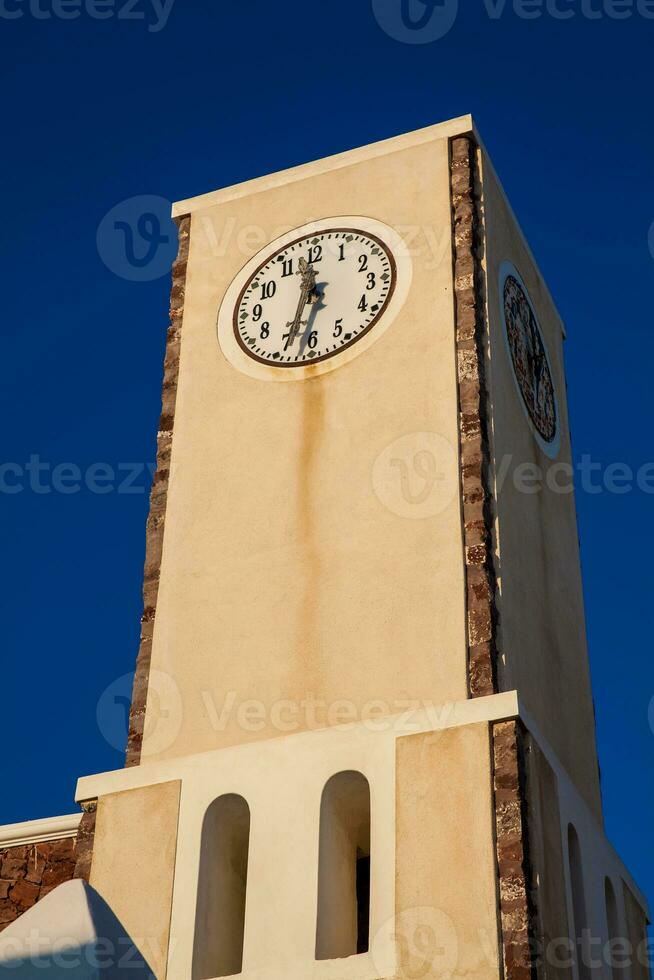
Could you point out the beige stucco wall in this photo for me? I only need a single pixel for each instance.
(134, 864)
(446, 917)
(543, 639)
(284, 576)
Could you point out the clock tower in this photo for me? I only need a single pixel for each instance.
(361, 739)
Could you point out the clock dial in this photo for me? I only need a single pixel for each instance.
(529, 358)
(314, 297)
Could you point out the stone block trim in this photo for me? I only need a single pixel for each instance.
(158, 496)
(85, 834)
(517, 914)
(473, 429)
(29, 871)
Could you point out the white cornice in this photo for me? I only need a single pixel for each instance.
(444, 130)
(452, 714)
(39, 831)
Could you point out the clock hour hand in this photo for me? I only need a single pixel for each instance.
(308, 294)
(294, 325)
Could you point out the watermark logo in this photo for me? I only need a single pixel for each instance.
(416, 21)
(413, 477)
(153, 13)
(425, 940)
(163, 718)
(84, 952)
(137, 239)
(310, 713)
(216, 238)
(416, 476)
(426, 945)
(112, 712)
(43, 477)
(425, 21)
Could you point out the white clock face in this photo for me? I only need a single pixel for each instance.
(312, 296)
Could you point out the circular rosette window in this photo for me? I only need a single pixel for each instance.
(532, 370)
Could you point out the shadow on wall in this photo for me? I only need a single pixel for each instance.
(220, 919)
(70, 933)
(342, 925)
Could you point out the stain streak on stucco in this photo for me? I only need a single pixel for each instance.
(311, 431)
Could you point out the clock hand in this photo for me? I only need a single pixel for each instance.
(308, 294)
(293, 326)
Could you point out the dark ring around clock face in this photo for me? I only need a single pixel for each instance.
(307, 236)
(529, 359)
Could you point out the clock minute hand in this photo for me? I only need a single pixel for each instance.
(308, 294)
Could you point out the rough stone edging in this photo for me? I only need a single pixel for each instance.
(158, 496)
(517, 911)
(84, 843)
(473, 436)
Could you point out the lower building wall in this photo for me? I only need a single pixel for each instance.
(134, 864)
(470, 817)
(29, 871)
(548, 866)
(584, 900)
(447, 918)
(637, 936)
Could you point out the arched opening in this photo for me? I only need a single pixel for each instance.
(612, 928)
(222, 882)
(343, 920)
(578, 904)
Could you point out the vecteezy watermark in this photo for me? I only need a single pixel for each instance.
(43, 477)
(428, 242)
(137, 238)
(163, 719)
(153, 13)
(426, 943)
(311, 713)
(416, 21)
(586, 474)
(416, 476)
(425, 21)
(110, 953)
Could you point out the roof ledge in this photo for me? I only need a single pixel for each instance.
(39, 831)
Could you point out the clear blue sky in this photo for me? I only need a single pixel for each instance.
(100, 110)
